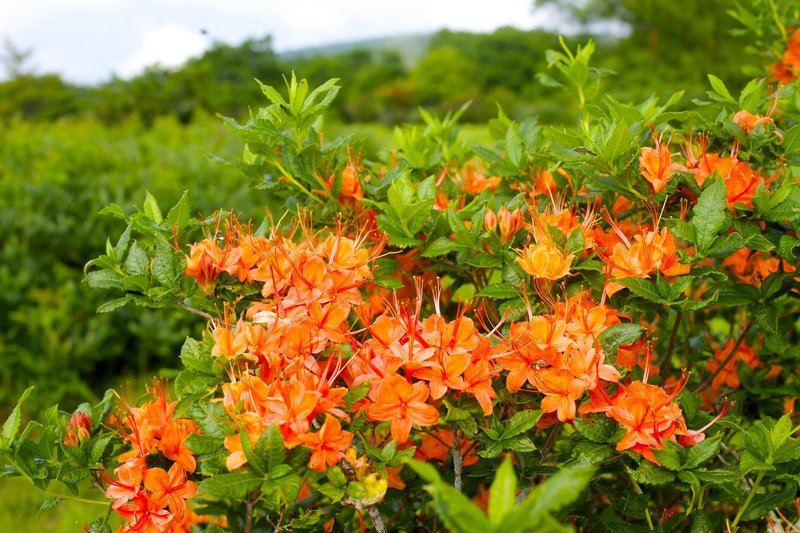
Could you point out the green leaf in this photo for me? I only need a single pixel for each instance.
(620, 335)
(514, 149)
(669, 456)
(137, 261)
(702, 452)
(179, 215)
(12, 423)
(791, 140)
(597, 431)
(557, 492)
(270, 447)
(710, 215)
(455, 510)
(234, 485)
(104, 279)
(336, 476)
(750, 463)
(113, 305)
(500, 291)
(503, 492)
(356, 394)
(650, 474)
(443, 246)
(764, 503)
(201, 445)
(719, 87)
(643, 289)
(151, 209)
(99, 447)
(168, 265)
(49, 503)
(194, 357)
(520, 423)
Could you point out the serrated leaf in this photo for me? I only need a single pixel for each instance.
(234, 485)
(443, 246)
(356, 394)
(620, 335)
(762, 504)
(710, 215)
(49, 503)
(12, 423)
(167, 264)
(113, 305)
(643, 289)
(151, 209)
(500, 291)
(596, 431)
(702, 452)
(520, 423)
(270, 447)
(650, 474)
(791, 140)
(179, 215)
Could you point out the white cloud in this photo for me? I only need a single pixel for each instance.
(168, 46)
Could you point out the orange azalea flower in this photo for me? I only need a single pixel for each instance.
(748, 121)
(475, 181)
(656, 165)
(561, 388)
(437, 445)
(327, 445)
(539, 342)
(169, 489)
(173, 443)
(206, 261)
(788, 68)
(404, 404)
(729, 375)
(752, 267)
(650, 416)
(545, 261)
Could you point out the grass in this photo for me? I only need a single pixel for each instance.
(20, 502)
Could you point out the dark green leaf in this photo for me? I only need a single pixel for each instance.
(234, 485)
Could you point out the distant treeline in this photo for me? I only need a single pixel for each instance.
(380, 84)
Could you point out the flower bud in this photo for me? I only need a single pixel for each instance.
(489, 220)
(510, 222)
(79, 427)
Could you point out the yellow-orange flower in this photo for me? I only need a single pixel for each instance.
(545, 261)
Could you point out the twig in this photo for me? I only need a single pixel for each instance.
(728, 359)
(248, 519)
(458, 462)
(377, 519)
(548, 444)
(197, 312)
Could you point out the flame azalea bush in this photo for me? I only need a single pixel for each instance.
(590, 328)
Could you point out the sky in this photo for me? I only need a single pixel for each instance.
(89, 41)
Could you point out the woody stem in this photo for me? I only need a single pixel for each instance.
(248, 519)
(377, 519)
(728, 359)
(458, 461)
